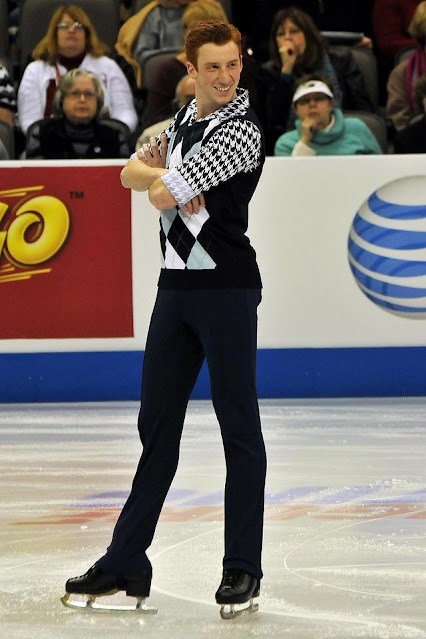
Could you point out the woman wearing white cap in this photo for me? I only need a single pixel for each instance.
(321, 128)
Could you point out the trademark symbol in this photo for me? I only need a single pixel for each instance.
(76, 195)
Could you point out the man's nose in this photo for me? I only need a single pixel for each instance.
(224, 75)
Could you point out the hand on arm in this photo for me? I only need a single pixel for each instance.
(139, 174)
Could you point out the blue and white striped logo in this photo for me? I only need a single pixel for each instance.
(387, 247)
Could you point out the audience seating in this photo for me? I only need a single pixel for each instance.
(36, 15)
(4, 35)
(227, 5)
(367, 64)
(152, 63)
(7, 137)
(375, 123)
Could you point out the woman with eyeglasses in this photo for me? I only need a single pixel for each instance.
(71, 42)
(321, 128)
(76, 131)
(296, 49)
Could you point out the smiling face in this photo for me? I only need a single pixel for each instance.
(290, 35)
(216, 76)
(71, 39)
(80, 103)
(317, 106)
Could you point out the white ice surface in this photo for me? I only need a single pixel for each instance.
(345, 535)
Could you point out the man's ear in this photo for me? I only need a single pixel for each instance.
(192, 71)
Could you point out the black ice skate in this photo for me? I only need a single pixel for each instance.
(97, 583)
(237, 587)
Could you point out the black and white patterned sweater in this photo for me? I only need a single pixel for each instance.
(222, 156)
(7, 92)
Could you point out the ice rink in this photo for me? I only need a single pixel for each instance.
(345, 535)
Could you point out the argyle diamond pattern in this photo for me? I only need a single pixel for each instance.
(201, 154)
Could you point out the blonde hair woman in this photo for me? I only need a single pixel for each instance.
(71, 42)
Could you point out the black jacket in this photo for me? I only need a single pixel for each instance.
(412, 139)
(56, 138)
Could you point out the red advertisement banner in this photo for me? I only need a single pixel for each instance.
(65, 253)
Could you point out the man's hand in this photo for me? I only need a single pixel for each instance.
(139, 174)
(308, 127)
(194, 205)
(153, 158)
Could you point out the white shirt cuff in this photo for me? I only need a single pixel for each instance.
(303, 150)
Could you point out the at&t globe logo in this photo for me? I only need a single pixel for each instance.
(387, 247)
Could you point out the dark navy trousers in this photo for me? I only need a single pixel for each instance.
(186, 327)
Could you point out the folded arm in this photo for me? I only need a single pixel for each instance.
(144, 173)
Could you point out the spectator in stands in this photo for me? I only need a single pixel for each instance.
(76, 131)
(296, 49)
(162, 88)
(321, 128)
(328, 15)
(391, 19)
(3, 153)
(157, 26)
(71, 42)
(7, 97)
(412, 139)
(401, 105)
(184, 93)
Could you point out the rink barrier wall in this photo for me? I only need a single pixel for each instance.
(297, 373)
(320, 333)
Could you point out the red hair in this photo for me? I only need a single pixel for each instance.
(211, 31)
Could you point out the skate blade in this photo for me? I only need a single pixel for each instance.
(89, 603)
(229, 611)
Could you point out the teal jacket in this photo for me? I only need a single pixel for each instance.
(349, 136)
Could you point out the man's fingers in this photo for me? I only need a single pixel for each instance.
(163, 139)
(194, 205)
